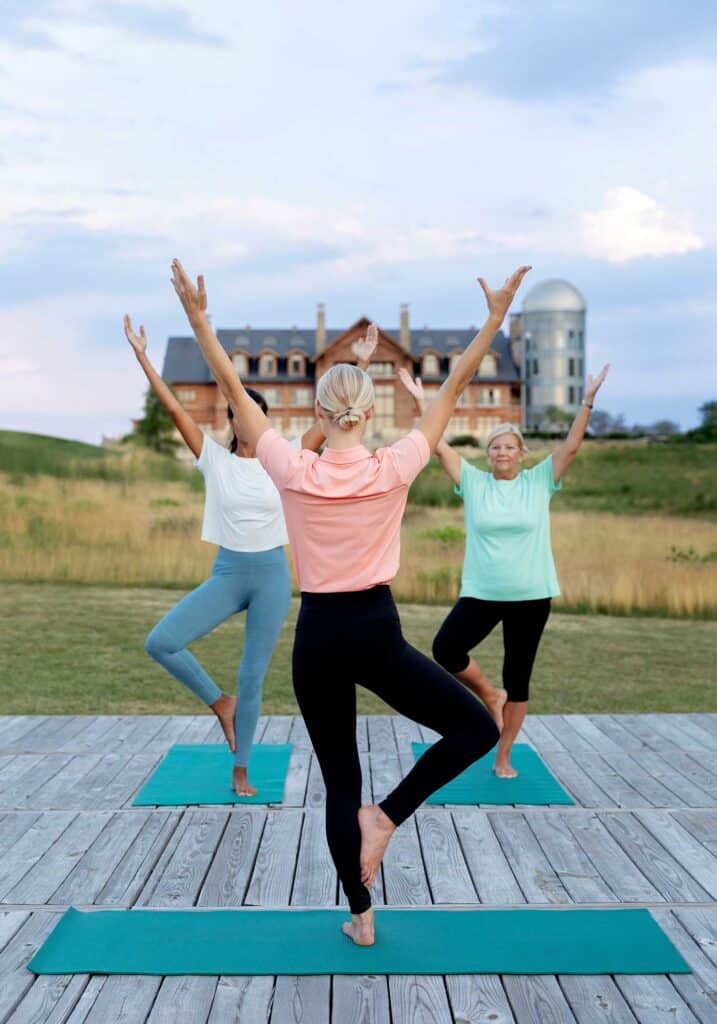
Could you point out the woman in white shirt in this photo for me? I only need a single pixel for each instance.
(243, 515)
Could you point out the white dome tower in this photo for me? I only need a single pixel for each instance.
(552, 328)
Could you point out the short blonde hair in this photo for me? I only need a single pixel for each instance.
(346, 394)
(506, 428)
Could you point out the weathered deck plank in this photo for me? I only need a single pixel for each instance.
(644, 831)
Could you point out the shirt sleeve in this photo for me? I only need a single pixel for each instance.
(543, 473)
(411, 454)
(206, 460)
(278, 456)
(470, 479)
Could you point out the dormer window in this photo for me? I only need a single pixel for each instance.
(431, 367)
(296, 366)
(241, 363)
(454, 359)
(267, 366)
(488, 366)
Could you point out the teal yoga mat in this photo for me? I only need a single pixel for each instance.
(310, 942)
(200, 773)
(478, 784)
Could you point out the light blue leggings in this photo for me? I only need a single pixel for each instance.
(257, 581)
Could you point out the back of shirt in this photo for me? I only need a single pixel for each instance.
(344, 508)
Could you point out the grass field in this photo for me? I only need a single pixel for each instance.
(71, 650)
(633, 530)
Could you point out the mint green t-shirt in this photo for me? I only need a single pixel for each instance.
(508, 554)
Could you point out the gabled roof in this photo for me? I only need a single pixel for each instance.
(184, 362)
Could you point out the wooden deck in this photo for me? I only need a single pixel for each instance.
(643, 832)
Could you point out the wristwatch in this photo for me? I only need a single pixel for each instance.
(587, 404)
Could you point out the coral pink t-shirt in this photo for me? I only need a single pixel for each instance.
(343, 509)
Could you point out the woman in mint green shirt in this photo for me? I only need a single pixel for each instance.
(508, 570)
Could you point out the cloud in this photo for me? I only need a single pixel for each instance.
(534, 52)
(37, 25)
(632, 225)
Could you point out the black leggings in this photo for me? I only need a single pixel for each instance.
(472, 620)
(355, 637)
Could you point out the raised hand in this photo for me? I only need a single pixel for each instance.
(594, 383)
(193, 297)
(365, 347)
(499, 301)
(413, 387)
(138, 342)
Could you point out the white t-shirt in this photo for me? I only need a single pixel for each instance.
(242, 507)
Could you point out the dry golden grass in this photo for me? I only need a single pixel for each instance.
(606, 563)
(93, 531)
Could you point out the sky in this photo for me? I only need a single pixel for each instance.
(357, 155)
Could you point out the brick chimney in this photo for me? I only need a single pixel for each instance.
(320, 328)
(405, 333)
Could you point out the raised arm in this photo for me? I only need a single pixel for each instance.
(435, 419)
(184, 423)
(449, 458)
(564, 454)
(194, 300)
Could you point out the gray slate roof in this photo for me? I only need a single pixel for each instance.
(184, 363)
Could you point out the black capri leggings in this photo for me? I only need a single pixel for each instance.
(472, 620)
(355, 637)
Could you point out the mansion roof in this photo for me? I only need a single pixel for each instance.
(184, 363)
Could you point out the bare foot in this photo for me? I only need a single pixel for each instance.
(224, 708)
(504, 770)
(495, 702)
(376, 830)
(360, 928)
(240, 782)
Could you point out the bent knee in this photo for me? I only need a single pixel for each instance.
(448, 656)
(156, 645)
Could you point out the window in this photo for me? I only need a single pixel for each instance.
(302, 396)
(571, 367)
(580, 367)
(186, 396)
(431, 367)
(535, 367)
(298, 425)
(571, 395)
(488, 366)
(459, 425)
(465, 398)
(267, 366)
(486, 424)
(272, 397)
(489, 396)
(580, 394)
(453, 360)
(379, 369)
(296, 366)
(384, 407)
(241, 363)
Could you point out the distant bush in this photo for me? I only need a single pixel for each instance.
(465, 440)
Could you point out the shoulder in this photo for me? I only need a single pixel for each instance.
(211, 453)
(541, 474)
(408, 455)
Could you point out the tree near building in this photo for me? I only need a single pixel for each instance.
(155, 430)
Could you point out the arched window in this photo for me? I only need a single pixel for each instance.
(488, 366)
(431, 367)
(267, 365)
(241, 363)
(296, 365)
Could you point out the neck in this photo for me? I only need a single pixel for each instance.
(245, 451)
(341, 439)
(506, 474)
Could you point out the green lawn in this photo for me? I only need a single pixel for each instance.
(79, 650)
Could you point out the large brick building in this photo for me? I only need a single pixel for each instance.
(286, 364)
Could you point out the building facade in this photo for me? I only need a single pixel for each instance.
(285, 366)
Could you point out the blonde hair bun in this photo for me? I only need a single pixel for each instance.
(346, 394)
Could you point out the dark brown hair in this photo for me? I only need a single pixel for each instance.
(257, 397)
